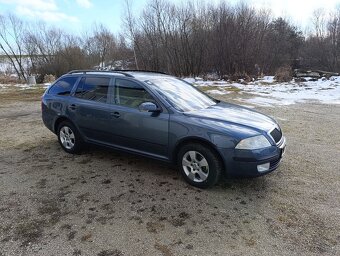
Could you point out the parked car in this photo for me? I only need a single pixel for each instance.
(162, 117)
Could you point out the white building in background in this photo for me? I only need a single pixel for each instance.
(6, 67)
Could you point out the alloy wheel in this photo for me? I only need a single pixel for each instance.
(195, 166)
(67, 137)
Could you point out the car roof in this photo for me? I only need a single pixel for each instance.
(141, 75)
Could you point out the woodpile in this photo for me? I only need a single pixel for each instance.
(300, 73)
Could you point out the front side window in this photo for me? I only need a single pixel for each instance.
(63, 86)
(93, 88)
(130, 94)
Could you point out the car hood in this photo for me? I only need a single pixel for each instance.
(236, 115)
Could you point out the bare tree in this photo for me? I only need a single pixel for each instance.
(101, 45)
(129, 23)
(319, 22)
(11, 42)
(42, 43)
(321, 49)
(334, 39)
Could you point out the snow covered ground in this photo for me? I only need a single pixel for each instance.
(267, 92)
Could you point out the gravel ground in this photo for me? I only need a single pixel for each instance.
(105, 203)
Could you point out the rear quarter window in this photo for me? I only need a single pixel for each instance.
(63, 86)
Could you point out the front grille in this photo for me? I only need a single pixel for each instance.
(276, 134)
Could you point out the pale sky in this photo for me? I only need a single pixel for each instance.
(78, 15)
(299, 11)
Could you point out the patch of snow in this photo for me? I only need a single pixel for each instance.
(189, 80)
(324, 91)
(46, 85)
(335, 79)
(219, 83)
(23, 85)
(308, 78)
(218, 92)
(267, 79)
(268, 92)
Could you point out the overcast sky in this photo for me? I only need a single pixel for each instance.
(77, 15)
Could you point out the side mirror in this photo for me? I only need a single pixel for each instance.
(149, 107)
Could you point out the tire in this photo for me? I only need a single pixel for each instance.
(69, 137)
(199, 165)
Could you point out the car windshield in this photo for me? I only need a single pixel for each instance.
(181, 95)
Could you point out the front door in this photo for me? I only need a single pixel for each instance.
(131, 128)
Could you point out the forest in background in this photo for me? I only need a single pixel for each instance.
(190, 39)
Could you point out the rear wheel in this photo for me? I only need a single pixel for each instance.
(69, 137)
(199, 165)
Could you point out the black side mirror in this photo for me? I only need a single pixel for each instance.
(149, 107)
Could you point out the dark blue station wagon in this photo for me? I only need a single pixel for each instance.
(162, 117)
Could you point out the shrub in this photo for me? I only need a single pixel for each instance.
(49, 78)
(240, 75)
(284, 74)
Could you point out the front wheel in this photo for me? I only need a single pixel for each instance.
(69, 137)
(199, 165)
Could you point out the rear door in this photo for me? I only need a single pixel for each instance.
(89, 108)
(56, 100)
(131, 128)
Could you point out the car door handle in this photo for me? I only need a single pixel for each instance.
(72, 106)
(115, 114)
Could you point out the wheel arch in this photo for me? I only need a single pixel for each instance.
(199, 140)
(58, 121)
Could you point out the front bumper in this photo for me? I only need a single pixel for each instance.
(244, 163)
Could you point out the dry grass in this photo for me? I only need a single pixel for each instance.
(233, 89)
(14, 94)
(240, 75)
(209, 88)
(4, 79)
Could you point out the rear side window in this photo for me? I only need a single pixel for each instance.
(93, 88)
(63, 86)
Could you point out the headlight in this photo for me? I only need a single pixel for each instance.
(255, 142)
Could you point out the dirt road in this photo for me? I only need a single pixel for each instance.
(107, 203)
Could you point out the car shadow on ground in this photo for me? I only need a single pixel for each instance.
(170, 170)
